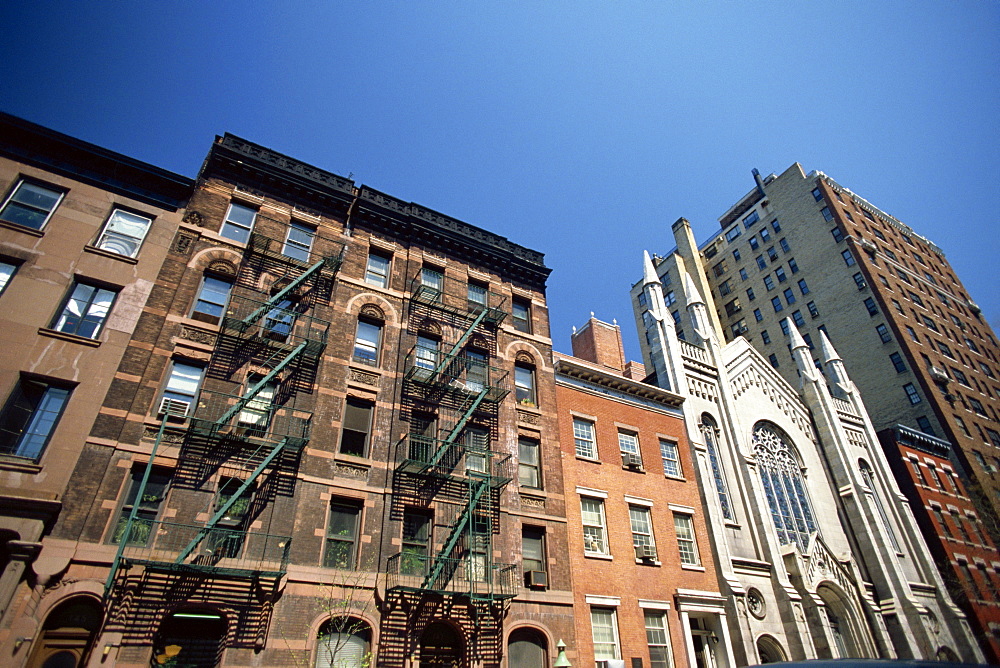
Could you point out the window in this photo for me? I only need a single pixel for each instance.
(789, 296)
(960, 376)
(521, 315)
(476, 295)
(239, 221)
(719, 269)
(355, 427)
(754, 244)
(740, 327)
(182, 388)
(657, 638)
(210, 305)
(809, 342)
(377, 270)
(733, 307)
(965, 429)
(279, 321)
(604, 628)
(927, 322)
(725, 288)
(642, 529)
(758, 316)
(784, 245)
(529, 467)
(343, 642)
(871, 306)
(415, 542)
(977, 406)
(838, 236)
(779, 273)
(592, 513)
(299, 241)
(124, 232)
(733, 233)
(30, 205)
(925, 425)
(342, 535)
(761, 262)
(583, 438)
(85, 311)
(799, 320)
(883, 333)
(532, 552)
(781, 475)
(776, 225)
(915, 298)
(773, 359)
(256, 414)
(750, 294)
(765, 337)
(817, 195)
(30, 417)
(897, 362)
(6, 272)
(743, 274)
(709, 433)
(432, 280)
(524, 385)
(669, 298)
(912, 333)
(772, 254)
(628, 444)
(751, 219)
(736, 254)
(643, 301)
(765, 237)
(803, 286)
(859, 281)
(827, 214)
(147, 509)
(366, 341)
(848, 257)
(671, 458)
(426, 352)
(784, 326)
(813, 310)
(769, 282)
(776, 303)
(911, 393)
(687, 546)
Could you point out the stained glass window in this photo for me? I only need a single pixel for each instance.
(782, 480)
(709, 431)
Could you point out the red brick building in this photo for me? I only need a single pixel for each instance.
(953, 527)
(644, 581)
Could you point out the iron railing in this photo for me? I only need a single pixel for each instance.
(475, 576)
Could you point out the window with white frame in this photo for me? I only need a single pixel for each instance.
(605, 631)
(30, 417)
(7, 270)
(594, 527)
(85, 311)
(642, 531)
(30, 204)
(182, 388)
(366, 341)
(658, 638)
(671, 458)
(628, 444)
(687, 545)
(124, 232)
(529, 465)
(238, 223)
(583, 438)
(299, 241)
(212, 299)
(377, 270)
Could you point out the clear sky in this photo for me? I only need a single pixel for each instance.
(580, 129)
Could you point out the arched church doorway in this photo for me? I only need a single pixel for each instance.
(441, 647)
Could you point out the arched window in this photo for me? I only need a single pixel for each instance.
(769, 650)
(839, 618)
(782, 478)
(869, 477)
(68, 634)
(527, 648)
(344, 642)
(710, 432)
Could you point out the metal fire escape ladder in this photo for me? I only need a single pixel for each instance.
(457, 430)
(255, 390)
(450, 356)
(476, 490)
(204, 531)
(273, 302)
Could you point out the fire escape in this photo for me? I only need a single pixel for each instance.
(454, 471)
(240, 442)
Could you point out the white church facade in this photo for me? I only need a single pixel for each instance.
(818, 553)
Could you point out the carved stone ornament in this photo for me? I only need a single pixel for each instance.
(528, 418)
(372, 311)
(755, 603)
(428, 326)
(222, 267)
(479, 341)
(197, 335)
(194, 218)
(524, 358)
(359, 376)
(350, 471)
(182, 243)
(173, 438)
(532, 502)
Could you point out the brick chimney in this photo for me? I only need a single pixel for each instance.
(600, 343)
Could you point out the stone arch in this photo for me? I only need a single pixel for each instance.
(780, 468)
(218, 256)
(528, 647)
(443, 643)
(523, 357)
(372, 311)
(429, 327)
(769, 650)
(356, 303)
(945, 653)
(842, 622)
(194, 635)
(346, 640)
(69, 632)
(515, 347)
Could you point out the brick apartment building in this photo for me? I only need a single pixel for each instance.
(804, 249)
(325, 423)
(966, 553)
(644, 582)
(83, 233)
(816, 551)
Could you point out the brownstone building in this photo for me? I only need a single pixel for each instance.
(963, 548)
(83, 232)
(644, 580)
(327, 435)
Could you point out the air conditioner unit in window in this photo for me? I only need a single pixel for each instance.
(538, 579)
(645, 552)
(631, 461)
(174, 407)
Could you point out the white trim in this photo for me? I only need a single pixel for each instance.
(603, 601)
(583, 416)
(677, 508)
(593, 493)
(646, 604)
(638, 501)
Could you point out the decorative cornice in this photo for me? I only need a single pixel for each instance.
(574, 368)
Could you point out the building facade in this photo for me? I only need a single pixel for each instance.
(816, 550)
(83, 233)
(325, 433)
(644, 581)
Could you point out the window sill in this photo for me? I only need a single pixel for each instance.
(592, 460)
(692, 567)
(112, 256)
(678, 478)
(597, 555)
(643, 562)
(72, 338)
(19, 464)
(21, 228)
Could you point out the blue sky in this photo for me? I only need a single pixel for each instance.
(580, 129)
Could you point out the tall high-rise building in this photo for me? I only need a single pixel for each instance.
(801, 249)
